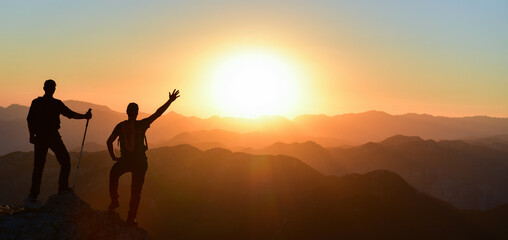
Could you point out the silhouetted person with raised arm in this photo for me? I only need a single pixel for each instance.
(43, 124)
(133, 159)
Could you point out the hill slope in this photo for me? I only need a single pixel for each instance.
(468, 175)
(194, 194)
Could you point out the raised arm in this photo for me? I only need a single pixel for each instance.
(172, 97)
(109, 143)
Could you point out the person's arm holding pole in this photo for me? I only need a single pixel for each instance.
(88, 115)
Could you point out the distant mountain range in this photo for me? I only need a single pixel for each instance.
(218, 194)
(237, 133)
(499, 142)
(468, 175)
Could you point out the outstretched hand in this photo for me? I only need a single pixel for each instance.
(173, 96)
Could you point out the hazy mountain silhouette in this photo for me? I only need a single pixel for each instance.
(309, 152)
(376, 126)
(466, 175)
(91, 147)
(194, 194)
(14, 136)
(15, 131)
(65, 217)
(13, 112)
(208, 139)
(446, 169)
(226, 139)
(346, 129)
(401, 139)
(499, 142)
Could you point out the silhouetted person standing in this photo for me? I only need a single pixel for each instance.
(133, 159)
(43, 124)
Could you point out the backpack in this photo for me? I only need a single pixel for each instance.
(145, 140)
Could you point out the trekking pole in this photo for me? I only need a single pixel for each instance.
(81, 152)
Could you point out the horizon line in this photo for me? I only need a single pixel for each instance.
(289, 118)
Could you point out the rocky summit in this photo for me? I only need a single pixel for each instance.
(65, 217)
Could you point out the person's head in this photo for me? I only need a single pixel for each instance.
(49, 86)
(132, 111)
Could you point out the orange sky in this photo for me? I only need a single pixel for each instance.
(431, 57)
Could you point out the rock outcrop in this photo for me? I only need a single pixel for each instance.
(66, 217)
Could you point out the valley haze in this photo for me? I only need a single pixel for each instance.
(237, 133)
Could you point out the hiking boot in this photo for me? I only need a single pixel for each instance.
(65, 190)
(31, 202)
(32, 198)
(113, 205)
(131, 222)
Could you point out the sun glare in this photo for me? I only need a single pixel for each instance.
(254, 83)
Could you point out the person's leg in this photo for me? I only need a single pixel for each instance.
(117, 170)
(62, 156)
(138, 178)
(40, 152)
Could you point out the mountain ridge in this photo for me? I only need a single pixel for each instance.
(465, 174)
(195, 194)
(329, 131)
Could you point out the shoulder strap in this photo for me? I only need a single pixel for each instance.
(122, 129)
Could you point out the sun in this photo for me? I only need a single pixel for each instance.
(254, 83)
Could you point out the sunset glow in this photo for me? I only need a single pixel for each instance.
(348, 56)
(254, 83)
